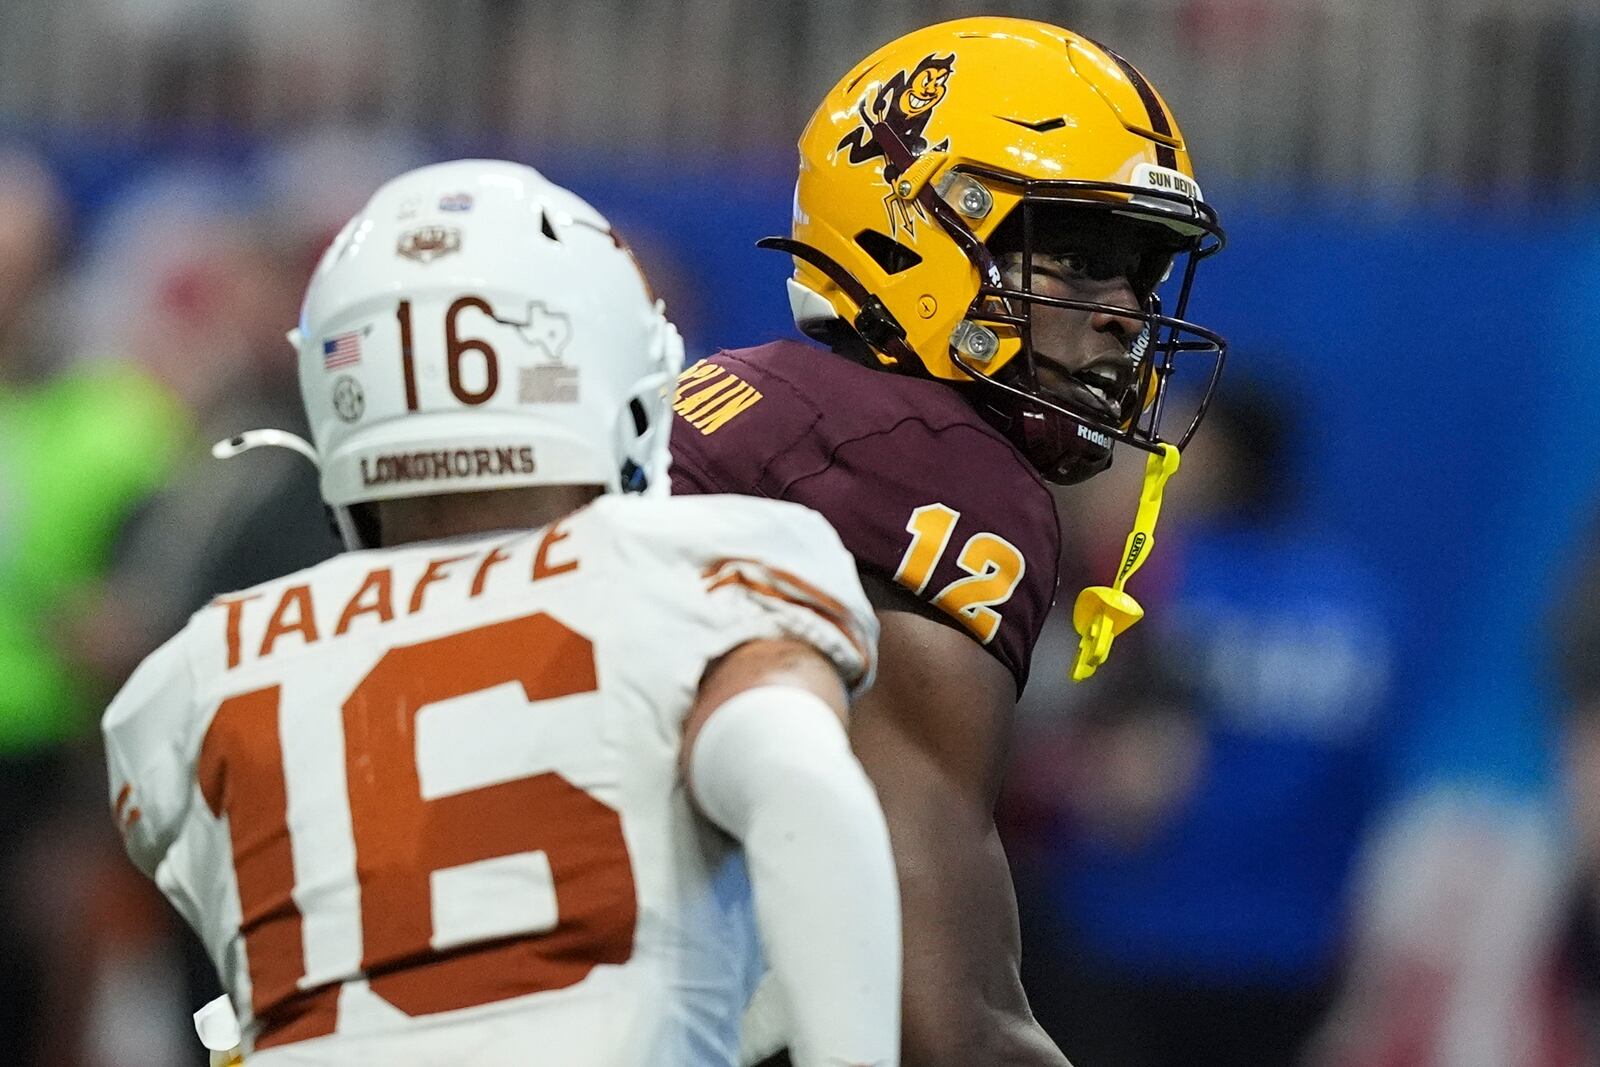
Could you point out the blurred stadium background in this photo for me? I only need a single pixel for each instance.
(1339, 807)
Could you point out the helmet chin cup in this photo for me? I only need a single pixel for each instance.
(1062, 445)
(1064, 451)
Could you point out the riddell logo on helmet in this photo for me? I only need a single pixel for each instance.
(446, 463)
(1094, 436)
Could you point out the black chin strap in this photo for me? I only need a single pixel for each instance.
(874, 322)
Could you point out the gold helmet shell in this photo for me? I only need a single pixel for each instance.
(918, 156)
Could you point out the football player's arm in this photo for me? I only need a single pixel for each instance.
(933, 734)
(148, 773)
(768, 761)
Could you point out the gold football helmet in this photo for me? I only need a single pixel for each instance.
(961, 132)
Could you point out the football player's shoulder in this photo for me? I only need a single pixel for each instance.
(703, 529)
(714, 392)
(736, 568)
(231, 629)
(930, 456)
(318, 575)
(211, 628)
(756, 420)
(785, 359)
(913, 428)
(841, 397)
(206, 634)
(753, 420)
(946, 507)
(743, 419)
(160, 676)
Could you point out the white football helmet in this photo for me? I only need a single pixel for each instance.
(478, 327)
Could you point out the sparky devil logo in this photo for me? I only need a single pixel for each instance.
(904, 103)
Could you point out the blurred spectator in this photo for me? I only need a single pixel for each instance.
(77, 451)
(1577, 633)
(1453, 960)
(31, 244)
(188, 281)
(315, 181)
(1456, 957)
(210, 311)
(1196, 816)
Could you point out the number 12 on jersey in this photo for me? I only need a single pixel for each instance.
(994, 567)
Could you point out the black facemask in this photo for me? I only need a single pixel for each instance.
(1145, 237)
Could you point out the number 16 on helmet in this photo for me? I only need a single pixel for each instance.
(478, 327)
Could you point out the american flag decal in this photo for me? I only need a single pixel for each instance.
(342, 350)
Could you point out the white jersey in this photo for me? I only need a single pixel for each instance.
(424, 806)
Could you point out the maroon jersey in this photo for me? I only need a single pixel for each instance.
(920, 488)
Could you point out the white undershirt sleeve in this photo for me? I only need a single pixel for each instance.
(772, 766)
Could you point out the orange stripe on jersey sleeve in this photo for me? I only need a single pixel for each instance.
(782, 585)
(126, 816)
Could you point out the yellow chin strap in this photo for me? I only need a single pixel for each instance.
(1102, 612)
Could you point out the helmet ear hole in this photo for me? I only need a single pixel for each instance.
(886, 252)
(643, 425)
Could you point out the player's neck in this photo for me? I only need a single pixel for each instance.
(432, 518)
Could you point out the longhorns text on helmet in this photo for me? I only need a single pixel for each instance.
(477, 327)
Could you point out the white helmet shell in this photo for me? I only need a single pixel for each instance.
(478, 327)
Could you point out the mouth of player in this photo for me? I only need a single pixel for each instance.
(1099, 391)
